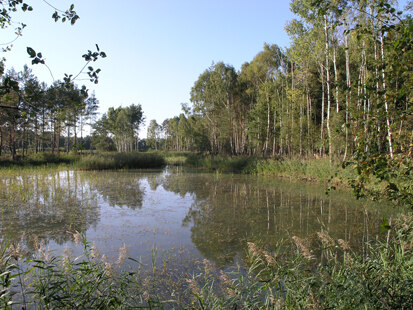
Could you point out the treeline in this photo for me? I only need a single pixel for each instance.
(344, 85)
(118, 129)
(36, 118)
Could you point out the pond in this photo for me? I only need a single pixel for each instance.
(176, 212)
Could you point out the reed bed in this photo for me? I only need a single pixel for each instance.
(92, 161)
(38, 160)
(236, 164)
(111, 161)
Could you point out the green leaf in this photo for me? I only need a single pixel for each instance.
(56, 16)
(384, 225)
(31, 52)
(74, 19)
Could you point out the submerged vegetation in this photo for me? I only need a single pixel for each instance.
(325, 273)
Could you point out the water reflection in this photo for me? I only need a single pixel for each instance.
(210, 215)
(232, 209)
(45, 207)
(118, 189)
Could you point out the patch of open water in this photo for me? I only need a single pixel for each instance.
(177, 213)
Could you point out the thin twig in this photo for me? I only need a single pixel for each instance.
(53, 6)
(50, 71)
(8, 43)
(81, 71)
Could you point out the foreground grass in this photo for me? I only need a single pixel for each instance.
(380, 278)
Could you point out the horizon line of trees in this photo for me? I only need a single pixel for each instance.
(343, 86)
(35, 117)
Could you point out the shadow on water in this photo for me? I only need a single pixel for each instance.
(212, 216)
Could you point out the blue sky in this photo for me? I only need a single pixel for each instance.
(156, 48)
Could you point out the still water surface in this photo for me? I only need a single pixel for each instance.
(176, 212)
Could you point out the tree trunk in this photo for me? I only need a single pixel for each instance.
(322, 109)
(389, 135)
(336, 79)
(68, 139)
(328, 89)
(348, 94)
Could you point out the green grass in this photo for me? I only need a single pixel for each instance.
(133, 160)
(322, 274)
(39, 159)
(173, 158)
(95, 161)
(219, 163)
(312, 169)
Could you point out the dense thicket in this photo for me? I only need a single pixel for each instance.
(343, 86)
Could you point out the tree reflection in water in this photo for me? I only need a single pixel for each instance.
(231, 210)
(45, 206)
(218, 213)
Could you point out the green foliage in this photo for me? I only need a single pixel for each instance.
(383, 177)
(121, 125)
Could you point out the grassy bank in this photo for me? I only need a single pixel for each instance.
(388, 179)
(320, 274)
(107, 161)
(220, 163)
(91, 161)
(309, 169)
(39, 159)
(319, 170)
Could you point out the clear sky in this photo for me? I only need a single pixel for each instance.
(156, 48)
